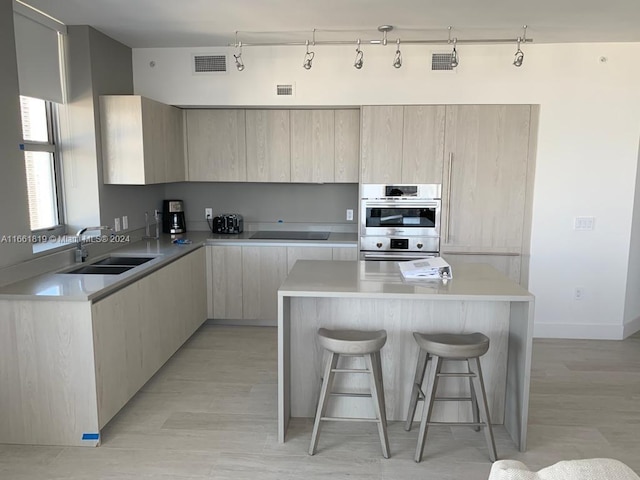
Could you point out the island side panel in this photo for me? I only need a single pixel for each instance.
(400, 318)
(284, 366)
(519, 372)
(47, 379)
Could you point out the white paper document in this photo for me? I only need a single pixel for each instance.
(426, 268)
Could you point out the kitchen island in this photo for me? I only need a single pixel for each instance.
(373, 295)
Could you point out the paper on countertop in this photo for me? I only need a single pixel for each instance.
(426, 268)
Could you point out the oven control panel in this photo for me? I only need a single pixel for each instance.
(400, 244)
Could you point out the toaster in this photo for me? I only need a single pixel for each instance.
(228, 223)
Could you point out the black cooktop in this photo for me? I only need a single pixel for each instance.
(281, 235)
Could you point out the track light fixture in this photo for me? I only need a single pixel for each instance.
(359, 62)
(238, 57)
(397, 60)
(519, 56)
(454, 57)
(454, 53)
(308, 58)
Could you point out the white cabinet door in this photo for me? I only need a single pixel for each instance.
(381, 148)
(423, 143)
(216, 145)
(263, 271)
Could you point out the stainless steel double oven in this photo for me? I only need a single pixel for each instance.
(399, 222)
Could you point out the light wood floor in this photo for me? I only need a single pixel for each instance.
(210, 413)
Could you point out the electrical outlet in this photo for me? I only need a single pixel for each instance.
(208, 213)
(578, 293)
(350, 214)
(116, 224)
(125, 222)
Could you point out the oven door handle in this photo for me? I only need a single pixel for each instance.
(404, 203)
(394, 257)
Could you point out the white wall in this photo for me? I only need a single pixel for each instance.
(587, 145)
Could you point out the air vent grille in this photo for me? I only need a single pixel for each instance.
(286, 90)
(441, 61)
(209, 63)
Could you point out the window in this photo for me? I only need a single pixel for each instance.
(42, 164)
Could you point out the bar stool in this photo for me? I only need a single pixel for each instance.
(352, 343)
(439, 347)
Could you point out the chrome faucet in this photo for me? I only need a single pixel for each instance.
(81, 251)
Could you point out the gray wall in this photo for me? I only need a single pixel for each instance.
(14, 215)
(98, 65)
(268, 202)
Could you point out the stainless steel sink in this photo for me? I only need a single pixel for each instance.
(114, 260)
(101, 269)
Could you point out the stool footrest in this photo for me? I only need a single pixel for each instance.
(458, 375)
(458, 424)
(348, 394)
(344, 419)
(350, 370)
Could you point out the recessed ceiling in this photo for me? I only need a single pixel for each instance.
(201, 23)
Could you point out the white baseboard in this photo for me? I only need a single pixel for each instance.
(631, 327)
(579, 331)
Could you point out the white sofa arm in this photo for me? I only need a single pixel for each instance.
(589, 469)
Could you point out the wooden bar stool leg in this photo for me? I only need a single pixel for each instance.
(377, 357)
(481, 395)
(378, 402)
(429, 400)
(325, 391)
(416, 391)
(474, 401)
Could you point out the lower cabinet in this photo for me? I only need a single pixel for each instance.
(510, 265)
(138, 328)
(243, 281)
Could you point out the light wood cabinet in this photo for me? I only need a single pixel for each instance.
(402, 144)
(345, 253)
(263, 271)
(347, 146)
(138, 328)
(216, 145)
(268, 146)
(142, 141)
(312, 146)
(510, 265)
(485, 179)
(226, 287)
(243, 281)
(381, 144)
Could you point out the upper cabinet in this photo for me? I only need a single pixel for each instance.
(216, 145)
(402, 144)
(142, 141)
(486, 178)
(271, 145)
(268, 146)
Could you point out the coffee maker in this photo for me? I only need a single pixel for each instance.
(173, 220)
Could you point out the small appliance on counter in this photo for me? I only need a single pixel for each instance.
(173, 220)
(228, 223)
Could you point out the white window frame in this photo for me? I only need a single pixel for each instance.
(50, 146)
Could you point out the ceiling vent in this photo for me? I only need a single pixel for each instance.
(209, 63)
(441, 61)
(284, 90)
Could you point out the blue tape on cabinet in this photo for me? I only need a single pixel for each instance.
(90, 436)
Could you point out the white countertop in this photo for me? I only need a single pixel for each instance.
(478, 281)
(79, 287)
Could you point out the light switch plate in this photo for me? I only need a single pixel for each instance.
(349, 214)
(116, 224)
(125, 222)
